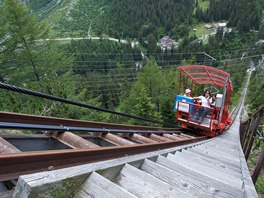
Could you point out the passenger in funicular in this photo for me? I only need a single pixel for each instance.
(213, 105)
(187, 93)
(206, 101)
(213, 100)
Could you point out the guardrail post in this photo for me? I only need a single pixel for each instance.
(248, 131)
(247, 135)
(254, 132)
(258, 167)
(243, 133)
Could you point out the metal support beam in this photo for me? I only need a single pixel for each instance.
(180, 136)
(158, 138)
(72, 140)
(252, 134)
(6, 147)
(116, 140)
(258, 167)
(172, 137)
(187, 136)
(141, 138)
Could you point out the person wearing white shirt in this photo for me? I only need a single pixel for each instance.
(206, 101)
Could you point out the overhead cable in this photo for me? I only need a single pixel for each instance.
(59, 99)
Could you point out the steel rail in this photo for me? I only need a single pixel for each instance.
(61, 128)
(54, 121)
(14, 165)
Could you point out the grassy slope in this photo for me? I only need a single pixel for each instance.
(72, 17)
(204, 4)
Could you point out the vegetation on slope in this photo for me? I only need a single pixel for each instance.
(114, 75)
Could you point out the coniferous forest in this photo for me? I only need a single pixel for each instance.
(111, 74)
(109, 54)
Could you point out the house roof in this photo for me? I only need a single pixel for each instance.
(221, 24)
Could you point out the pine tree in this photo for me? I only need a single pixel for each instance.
(25, 41)
(28, 59)
(144, 107)
(167, 113)
(23, 32)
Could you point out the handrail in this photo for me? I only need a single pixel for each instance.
(256, 112)
(248, 131)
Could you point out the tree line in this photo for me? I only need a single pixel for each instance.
(101, 73)
(241, 14)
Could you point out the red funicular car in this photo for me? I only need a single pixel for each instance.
(187, 108)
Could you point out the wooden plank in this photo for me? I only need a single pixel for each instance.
(227, 143)
(221, 148)
(94, 192)
(110, 173)
(193, 187)
(225, 147)
(206, 170)
(230, 136)
(217, 156)
(143, 185)
(208, 163)
(231, 190)
(82, 194)
(99, 187)
(28, 186)
(223, 144)
(249, 185)
(2, 187)
(212, 150)
(212, 161)
(6, 194)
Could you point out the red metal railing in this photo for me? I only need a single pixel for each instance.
(193, 112)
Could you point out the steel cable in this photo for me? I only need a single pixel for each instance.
(59, 99)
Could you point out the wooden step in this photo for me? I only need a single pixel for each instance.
(194, 188)
(226, 159)
(222, 148)
(207, 169)
(229, 190)
(97, 186)
(144, 185)
(211, 161)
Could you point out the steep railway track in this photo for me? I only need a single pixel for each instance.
(58, 147)
(162, 164)
(110, 157)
